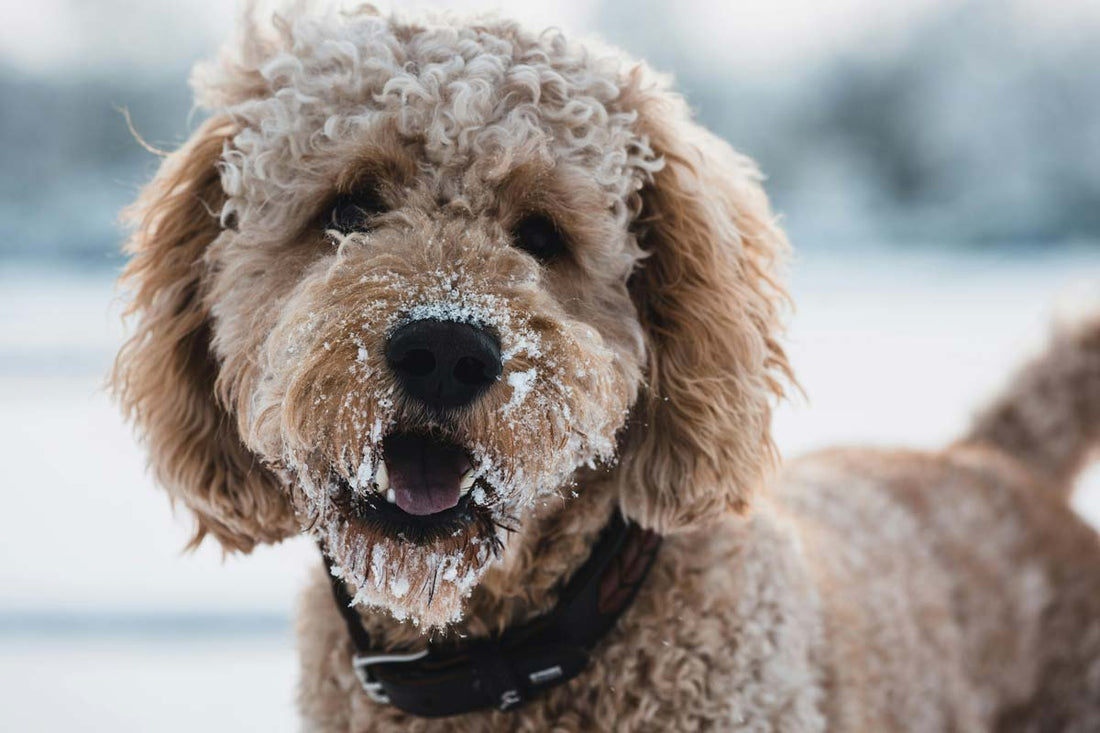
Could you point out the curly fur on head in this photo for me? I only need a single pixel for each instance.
(648, 351)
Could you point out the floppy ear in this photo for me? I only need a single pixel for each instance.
(700, 443)
(165, 373)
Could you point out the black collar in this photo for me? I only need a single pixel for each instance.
(504, 671)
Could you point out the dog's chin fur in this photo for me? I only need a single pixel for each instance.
(427, 585)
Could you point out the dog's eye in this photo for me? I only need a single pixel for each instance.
(354, 211)
(539, 236)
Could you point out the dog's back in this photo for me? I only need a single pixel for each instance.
(959, 589)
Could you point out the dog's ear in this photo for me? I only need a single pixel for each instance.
(707, 295)
(165, 373)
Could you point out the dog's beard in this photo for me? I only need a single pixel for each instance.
(561, 398)
(421, 568)
(424, 581)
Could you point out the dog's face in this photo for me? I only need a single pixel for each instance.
(410, 279)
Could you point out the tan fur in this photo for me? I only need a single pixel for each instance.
(859, 591)
(709, 301)
(196, 453)
(1050, 418)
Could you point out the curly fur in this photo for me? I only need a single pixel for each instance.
(1050, 418)
(860, 591)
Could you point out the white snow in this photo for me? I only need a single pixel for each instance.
(173, 685)
(365, 473)
(521, 384)
(399, 586)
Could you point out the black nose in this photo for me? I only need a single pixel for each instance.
(443, 364)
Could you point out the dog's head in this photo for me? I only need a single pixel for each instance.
(409, 279)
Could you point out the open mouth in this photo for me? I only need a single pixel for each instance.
(421, 489)
(422, 476)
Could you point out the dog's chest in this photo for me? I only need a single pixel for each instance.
(723, 632)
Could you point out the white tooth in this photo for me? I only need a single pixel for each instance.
(466, 482)
(391, 497)
(382, 478)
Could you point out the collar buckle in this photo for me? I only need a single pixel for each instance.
(361, 664)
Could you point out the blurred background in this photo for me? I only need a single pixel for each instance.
(936, 163)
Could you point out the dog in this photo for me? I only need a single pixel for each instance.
(481, 310)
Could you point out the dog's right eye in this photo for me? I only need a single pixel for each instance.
(539, 236)
(353, 211)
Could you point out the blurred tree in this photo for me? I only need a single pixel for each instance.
(974, 128)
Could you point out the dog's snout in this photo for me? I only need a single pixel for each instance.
(443, 364)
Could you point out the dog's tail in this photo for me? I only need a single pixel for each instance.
(1049, 417)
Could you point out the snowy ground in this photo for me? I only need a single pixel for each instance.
(104, 625)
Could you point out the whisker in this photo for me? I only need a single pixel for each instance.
(431, 590)
(505, 527)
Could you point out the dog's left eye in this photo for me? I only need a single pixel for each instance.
(353, 212)
(539, 236)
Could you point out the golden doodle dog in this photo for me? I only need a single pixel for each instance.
(489, 317)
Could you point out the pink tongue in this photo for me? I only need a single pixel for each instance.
(424, 474)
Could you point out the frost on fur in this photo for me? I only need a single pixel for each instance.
(278, 325)
(326, 400)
